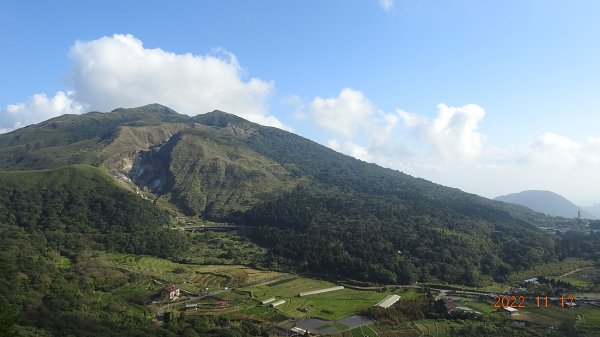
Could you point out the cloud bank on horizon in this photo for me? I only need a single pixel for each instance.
(449, 148)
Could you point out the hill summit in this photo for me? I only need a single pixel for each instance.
(546, 202)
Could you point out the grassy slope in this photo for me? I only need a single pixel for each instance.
(215, 175)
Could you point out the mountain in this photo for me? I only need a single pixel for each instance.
(545, 202)
(316, 210)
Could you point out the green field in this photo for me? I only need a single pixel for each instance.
(256, 285)
(195, 278)
(477, 305)
(331, 305)
(590, 314)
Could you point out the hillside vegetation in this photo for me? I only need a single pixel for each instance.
(79, 205)
(313, 207)
(51, 222)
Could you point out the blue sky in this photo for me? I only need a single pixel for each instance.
(491, 97)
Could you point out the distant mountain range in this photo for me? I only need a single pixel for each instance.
(549, 203)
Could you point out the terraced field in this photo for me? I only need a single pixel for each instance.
(190, 277)
(149, 273)
(363, 331)
(406, 330)
(550, 316)
(437, 328)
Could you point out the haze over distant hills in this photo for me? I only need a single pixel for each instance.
(593, 210)
(546, 202)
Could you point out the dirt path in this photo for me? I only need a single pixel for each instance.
(574, 271)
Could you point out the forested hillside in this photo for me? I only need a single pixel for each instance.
(328, 212)
(50, 223)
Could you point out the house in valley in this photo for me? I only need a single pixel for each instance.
(170, 292)
(445, 306)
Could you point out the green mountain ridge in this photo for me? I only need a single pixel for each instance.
(327, 212)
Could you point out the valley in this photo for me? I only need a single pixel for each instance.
(237, 293)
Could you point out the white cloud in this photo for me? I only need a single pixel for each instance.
(410, 119)
(368, 133)
(39, 108)
(593, 155)
(453, 132)
(343, 114)
(558, 150)
(555, 149)
(386, 4)
(449, 149)
(119, 71)
(551, 162)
